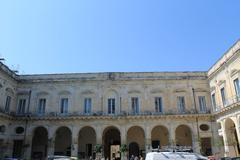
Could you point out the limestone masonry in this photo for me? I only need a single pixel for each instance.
(77, 114)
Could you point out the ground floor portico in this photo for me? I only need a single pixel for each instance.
(79, 137)
(229, 132)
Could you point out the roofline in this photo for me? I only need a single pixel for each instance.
(227, 51)
(8, 71)
(78, 73)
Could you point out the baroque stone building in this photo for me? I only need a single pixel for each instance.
(70, 114)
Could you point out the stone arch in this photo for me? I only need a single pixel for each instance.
(111, 138)
(139, 139)
(159, 136)
(232, 138)
(183, 136)
(86, 142)
(39, 142)
(63, 141)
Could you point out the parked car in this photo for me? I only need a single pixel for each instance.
(211, 158)
(226, 158)
(174, 156)
(61, 158)
(236, 158)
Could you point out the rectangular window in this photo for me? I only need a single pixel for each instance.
(223, 96)
(21, 106)
(158, 104)
(237, 88)
(87, 105)
(202, 103)
(214, 101)
(7, 104)
(111, 106)
(181, 104)
(64, 105)
(135, 105)
(41, 106)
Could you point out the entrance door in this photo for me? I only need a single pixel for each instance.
(206, 146)
(111, 137)
(155, 144)
(133, 149)
(17, 148)
(115, 152)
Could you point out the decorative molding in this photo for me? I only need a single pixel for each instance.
(221, 82)
(180, 90)
(234, 72)
(200, 90)
(87, 92)
(155, 91)
(64, 92)
(213, 88)
(134, 92)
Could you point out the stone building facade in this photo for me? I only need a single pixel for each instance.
(71, 114)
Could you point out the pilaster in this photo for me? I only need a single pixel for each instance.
(74, 146)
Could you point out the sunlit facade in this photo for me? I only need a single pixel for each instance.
(70, 114)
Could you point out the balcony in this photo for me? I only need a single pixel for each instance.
(101, 114)
(229, 103)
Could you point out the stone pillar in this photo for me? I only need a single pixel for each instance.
(226, 148)
(237, 127)
(27, 147)
(99, 134)
(123, 136)
(196, 143)
(74, 146)
(148, 146)
(171, 137)
(9, 148)
(51, 141)
(123, 142)
(195, 138)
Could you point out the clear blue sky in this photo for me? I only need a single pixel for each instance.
(64, 36)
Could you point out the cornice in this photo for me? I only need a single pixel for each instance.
(5, 69)
(227, 110)
(112, 118)
(231, 54)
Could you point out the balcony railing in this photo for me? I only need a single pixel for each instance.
(101, 113)
(228, 103)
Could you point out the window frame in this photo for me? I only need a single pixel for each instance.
(87, 105)
(64, 102)
(22, 102)
(135, 107)
(158, 101)
(223, 96)
(181, 104)
(111, 105)
(237, 87)
(202, 103)
(213, 99)
(8, 103)
(42, 105)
